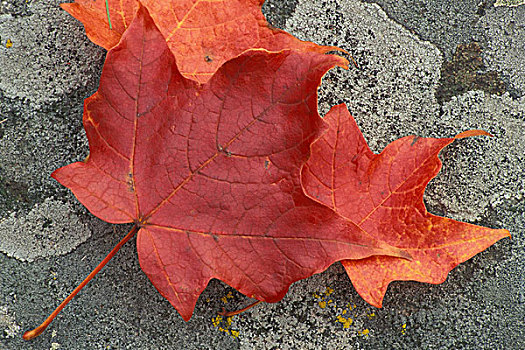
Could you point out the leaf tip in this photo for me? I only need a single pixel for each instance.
(505, 233)
(375, 301)
(470, 133)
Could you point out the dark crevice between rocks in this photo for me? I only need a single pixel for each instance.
(13, 195)
(466, 72)
(278, 11)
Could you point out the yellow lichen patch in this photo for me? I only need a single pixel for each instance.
(346, 313)
(9, 44)
(224, 325)
(347, 322)
(364, 332)
(226, 297)
(216, 320)
(322, 298)
(404, 328)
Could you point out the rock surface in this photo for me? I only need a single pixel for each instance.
(49, 243)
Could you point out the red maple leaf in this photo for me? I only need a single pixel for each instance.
(383, 195)
(209, 174)
(201, 34)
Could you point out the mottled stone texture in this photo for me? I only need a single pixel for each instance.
(401, 49)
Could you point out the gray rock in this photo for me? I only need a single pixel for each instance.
(481, 174)
(391, 93)
(44, 77)
(448, 23)
(8, 323)
(51, 228)
(40, 45)
(509, 3)
(505, 44)
(445, 23)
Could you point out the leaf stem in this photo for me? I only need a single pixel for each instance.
(233, 313)
(107, 11)
(37, 331)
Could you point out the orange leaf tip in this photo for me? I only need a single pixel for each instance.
(470, 133)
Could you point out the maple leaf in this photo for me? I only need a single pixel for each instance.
(202, 34)
(209, 173)
(383, 195)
